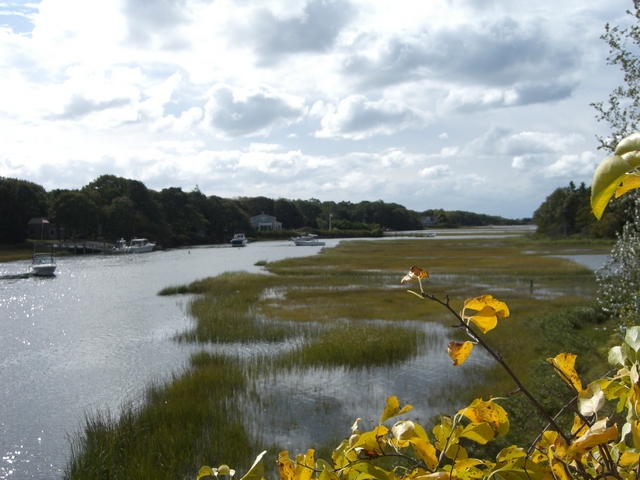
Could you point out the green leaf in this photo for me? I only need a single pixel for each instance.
(628, 144)
(205, 471)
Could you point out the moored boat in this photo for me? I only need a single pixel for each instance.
(309, 240)
(43, 265)
(137, 245)
(239, 240)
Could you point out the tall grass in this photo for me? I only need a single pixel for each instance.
(181, 426)
(355, 345)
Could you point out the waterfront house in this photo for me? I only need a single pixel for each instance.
(265, 222)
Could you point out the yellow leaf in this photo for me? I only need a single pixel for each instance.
(425, 451)
(629, 459)
(598, 434)
(635, 433)
(393, 409)
(630, 182)
(371, 443)
(459, 352)
(489, 412)
(256, 472)
(478, 303)
(560, 471)
(479, 432)
(486, 319)
(456, 451)
(305, 465)
(565, 364)
(579, 427)
(286, 466)
(608, 175)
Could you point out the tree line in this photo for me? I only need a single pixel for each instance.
(566, 212)
(112, 207)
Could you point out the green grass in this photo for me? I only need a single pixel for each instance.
(180, 427)
(345, 308)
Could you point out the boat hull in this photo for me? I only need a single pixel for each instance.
(308, 243)
(43, 265)
(43, 271)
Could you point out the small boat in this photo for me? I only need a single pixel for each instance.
(309, 240)
(239, 240)
(137, 245)
(430, 235)
(43, 265)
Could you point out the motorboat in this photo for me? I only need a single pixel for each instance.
(239, 240)
(309, 240)
(43, 265)
(137, 245)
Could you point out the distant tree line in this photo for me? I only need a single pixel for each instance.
(567, 212)
(457, 218)
(112, 207)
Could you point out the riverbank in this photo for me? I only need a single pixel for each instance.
(273, 346)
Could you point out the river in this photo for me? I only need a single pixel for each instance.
(97, 334)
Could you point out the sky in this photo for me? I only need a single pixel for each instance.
(474, 105)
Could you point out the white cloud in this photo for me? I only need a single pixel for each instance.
(233, 112)
(571, 166)
(356, 118)
(437, 171)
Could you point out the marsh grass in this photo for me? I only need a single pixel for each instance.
(355, 345)
(179, 427)
(341, 309)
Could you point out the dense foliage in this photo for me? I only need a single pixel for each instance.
(567, 212)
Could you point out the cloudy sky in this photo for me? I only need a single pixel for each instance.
(477, 105)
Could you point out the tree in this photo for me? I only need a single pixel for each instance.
(20, 201)
(287, 212)
(74, 211)
(622, 111)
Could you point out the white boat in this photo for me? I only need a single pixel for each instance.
(309, 240)
(43, 265)
(137, 245)
(239, 240)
